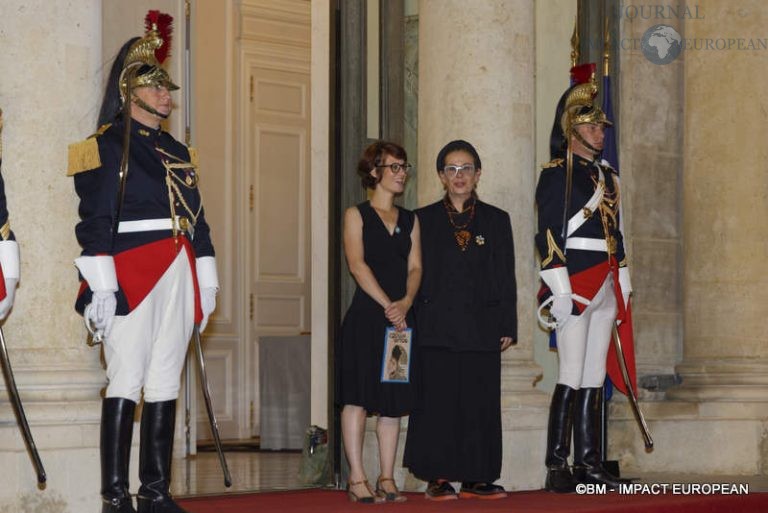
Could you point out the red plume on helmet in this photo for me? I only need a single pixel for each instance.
(163, 23)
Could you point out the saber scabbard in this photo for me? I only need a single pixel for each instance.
(647, 440)
(209, 406)
(18, 411)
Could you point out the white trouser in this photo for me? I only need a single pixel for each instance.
(147, 347)
(583, 341)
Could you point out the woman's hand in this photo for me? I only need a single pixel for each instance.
(396, 312)
(506, 342)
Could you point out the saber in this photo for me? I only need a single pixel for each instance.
(208, 406)
(631, 392)
(18, 410)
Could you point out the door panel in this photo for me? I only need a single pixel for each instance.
(280, 219)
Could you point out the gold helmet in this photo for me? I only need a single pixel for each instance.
(580, 107)
(141, 67)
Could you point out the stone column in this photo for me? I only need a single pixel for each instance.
(724, 393)
(476, 82)
(51, 89)
(725, 208)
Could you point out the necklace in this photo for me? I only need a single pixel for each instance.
(461, 234)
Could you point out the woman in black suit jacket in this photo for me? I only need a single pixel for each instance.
(465, 317)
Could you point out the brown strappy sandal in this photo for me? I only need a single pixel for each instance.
(395, 496)
(353, 497)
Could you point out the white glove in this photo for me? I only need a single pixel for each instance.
(101, 312)
(559, 282)
(99, 272)
(9, 261)
(208, 280)
(208, 304)
(7, 303)
(561, 308)
(626, 284)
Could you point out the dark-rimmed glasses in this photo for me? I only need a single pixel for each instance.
(396, 167)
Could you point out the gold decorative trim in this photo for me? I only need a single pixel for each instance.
(174, 157)
(5, 230)
(552, 250)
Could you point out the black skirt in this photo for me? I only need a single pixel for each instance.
(455, 431)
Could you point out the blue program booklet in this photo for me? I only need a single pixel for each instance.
(396, 362)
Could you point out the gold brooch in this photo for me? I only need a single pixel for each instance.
(479, 240)
(143, 132)
(587, 212)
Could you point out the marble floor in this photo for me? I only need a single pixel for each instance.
(250, 471)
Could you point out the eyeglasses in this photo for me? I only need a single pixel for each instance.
(397, 167)
(453, 171)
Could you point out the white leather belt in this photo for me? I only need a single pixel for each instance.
(585, 244)
(580, 217)
(151, 225)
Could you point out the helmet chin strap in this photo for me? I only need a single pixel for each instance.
(143, 105)
(577, 135)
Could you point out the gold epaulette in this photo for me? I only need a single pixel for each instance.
(553, 163)
(193, 155)
(84, 155)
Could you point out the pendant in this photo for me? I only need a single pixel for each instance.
(397, 229)
(462, 239)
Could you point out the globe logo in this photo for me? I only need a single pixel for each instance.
(661, 44)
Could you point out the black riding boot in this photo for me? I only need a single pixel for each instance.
(559, 477)
(157, 425)
(587, 460)
(115, 449)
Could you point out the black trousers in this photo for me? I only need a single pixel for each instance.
(455, 431)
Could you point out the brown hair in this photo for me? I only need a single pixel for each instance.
(374, 156)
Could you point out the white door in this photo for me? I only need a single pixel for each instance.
(251, 60)
(278, 158)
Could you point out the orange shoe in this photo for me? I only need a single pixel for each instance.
(488, 491)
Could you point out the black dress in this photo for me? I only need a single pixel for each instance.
(360, 351)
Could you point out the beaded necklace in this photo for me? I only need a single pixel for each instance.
(461, 234)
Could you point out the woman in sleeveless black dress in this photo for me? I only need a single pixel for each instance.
(382, 246)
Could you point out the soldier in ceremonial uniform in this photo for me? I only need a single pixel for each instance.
(9, 248)
(148, 267)
(586, 282)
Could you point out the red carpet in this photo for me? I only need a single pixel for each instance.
(328, 501)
